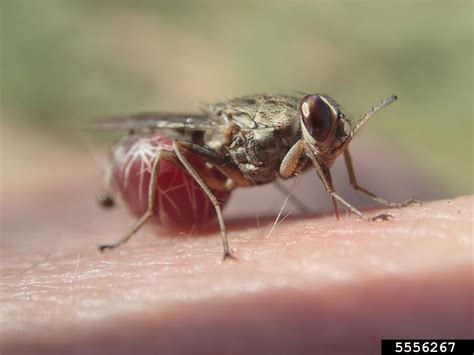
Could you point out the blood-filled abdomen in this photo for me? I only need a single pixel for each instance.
(179, 200)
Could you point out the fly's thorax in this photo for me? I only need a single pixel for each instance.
(219, 140)
(258, 153)
(257, 133)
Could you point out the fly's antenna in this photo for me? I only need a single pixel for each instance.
(369, 114)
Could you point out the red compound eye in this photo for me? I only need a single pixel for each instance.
(317, 116)
(179, 199)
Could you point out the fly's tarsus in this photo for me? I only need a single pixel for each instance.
(411, 202)
(229, 257)
(382, 217)
(105, 200)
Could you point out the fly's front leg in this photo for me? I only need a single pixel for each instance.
(178, 147)
(150, 204)
(289, 164)
(289, 168)
(325, 177)
(356, 186)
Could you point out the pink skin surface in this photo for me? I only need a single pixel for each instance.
(313, 285)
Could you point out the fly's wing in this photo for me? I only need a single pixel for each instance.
(153, 121)
(248, 112)
(259, 111)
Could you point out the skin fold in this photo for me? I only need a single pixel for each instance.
(312, 283)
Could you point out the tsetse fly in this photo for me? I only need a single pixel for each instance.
(241, 142)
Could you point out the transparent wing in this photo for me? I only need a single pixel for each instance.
(157, 121)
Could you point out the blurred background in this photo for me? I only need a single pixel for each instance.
(63, 63)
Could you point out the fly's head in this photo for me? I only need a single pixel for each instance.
(325, 128)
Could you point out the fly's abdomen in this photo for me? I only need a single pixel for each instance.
(179, 200)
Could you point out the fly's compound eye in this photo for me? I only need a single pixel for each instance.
(317, 116)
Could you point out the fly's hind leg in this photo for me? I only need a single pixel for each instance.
(356, 186)
(105, 200)
(162, 154)
(178, 149)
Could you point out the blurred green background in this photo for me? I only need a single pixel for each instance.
(63, 62)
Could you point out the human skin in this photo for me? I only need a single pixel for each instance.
(314, 284)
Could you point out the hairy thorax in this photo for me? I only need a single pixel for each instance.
(258, 154)
(258, 134)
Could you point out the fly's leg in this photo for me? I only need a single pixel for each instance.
(219, 162)
(289, 167)
(356, 186)
(150, 206)
(177, 149)
(105, 200)
(325, 177)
